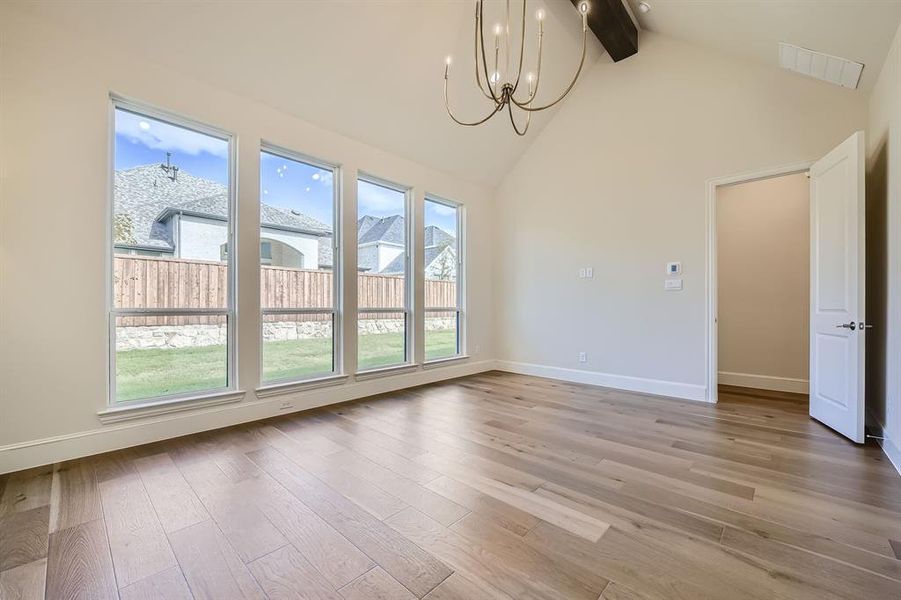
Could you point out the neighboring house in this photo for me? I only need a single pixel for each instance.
(179, 215)
(379, 242)
(440, 254)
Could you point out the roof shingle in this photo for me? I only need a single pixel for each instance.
(147, 196)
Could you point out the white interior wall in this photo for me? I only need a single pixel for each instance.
(763, 283)
(55, 166)
(883, 222)
(617, 182)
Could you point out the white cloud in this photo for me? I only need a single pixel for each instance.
(163, 136)
(379, 201)
(323, 178)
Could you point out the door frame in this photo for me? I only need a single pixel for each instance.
(711, 331)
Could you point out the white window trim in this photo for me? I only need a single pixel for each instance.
(128, 412)
(409, 362)
(336, 375)
(460, 309)
(170, 402)
(279, 389)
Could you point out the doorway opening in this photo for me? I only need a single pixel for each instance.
(763, 288)
(714, 189)
(837, 285)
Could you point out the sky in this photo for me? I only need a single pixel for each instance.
(284, 183)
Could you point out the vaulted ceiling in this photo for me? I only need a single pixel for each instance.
(369, 69)
(860, 30)
(372, 69)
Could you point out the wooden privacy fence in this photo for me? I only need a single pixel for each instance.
(159, 283)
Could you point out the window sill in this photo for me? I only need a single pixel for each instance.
(278, 389)
(440, 362)
(117, 414)
(385, 372)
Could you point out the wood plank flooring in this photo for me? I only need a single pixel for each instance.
(493, 486)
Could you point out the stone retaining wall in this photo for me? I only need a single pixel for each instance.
(192, 336)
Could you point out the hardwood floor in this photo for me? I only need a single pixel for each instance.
(490, 486)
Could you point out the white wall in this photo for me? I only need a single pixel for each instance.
(55, 114)
(763, 289)
(307, 245)
(617, 182)
(200, 239)
(883, 383)
(387, 253)
(369, 255)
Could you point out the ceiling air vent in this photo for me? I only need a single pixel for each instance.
(824, 67)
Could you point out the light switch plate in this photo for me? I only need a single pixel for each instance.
(672, 285)
(589, 272)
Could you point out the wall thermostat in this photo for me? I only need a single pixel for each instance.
(674, 268)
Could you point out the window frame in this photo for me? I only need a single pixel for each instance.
(337, 271)
(117, 102)
(460, 308)
(409, 282)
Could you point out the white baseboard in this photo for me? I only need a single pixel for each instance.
(675, 389)
(889, 446)
(764, 382)
(33, 453)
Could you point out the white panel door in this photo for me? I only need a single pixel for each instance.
(837, 322)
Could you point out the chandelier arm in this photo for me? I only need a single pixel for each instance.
(497, 109)
(494, 97)
(522, 47)
(525, 129)
(528, 107)
(475, 39)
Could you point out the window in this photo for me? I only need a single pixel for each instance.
(299, 275)
(383, 316)
(172, 305)
(443, 267)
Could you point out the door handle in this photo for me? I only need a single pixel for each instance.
(852, 326)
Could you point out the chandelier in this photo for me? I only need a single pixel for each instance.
(501, 84)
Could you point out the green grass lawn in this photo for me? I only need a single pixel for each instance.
(157, 372)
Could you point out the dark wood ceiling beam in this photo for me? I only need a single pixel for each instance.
(611, 23)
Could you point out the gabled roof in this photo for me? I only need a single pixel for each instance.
(396, 266)
(385, 229)
(148, 196)
(435, 236)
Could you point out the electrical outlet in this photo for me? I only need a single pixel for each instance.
(583, 357)
(478, 348)
(286, 406)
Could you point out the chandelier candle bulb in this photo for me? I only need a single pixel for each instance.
(501, 89)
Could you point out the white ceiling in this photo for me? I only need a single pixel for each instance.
(860, 30)
(370, 69)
